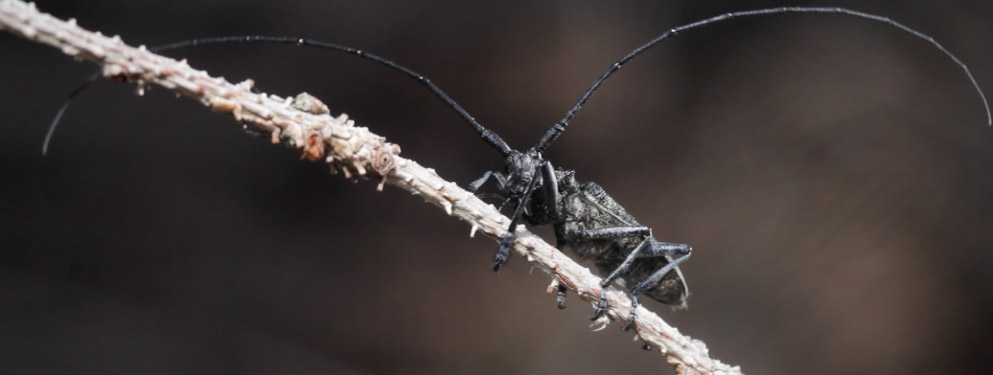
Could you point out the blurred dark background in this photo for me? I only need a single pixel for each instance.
(833, 175)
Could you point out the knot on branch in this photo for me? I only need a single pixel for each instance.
(310, 104)
(313, 146)
(336, 140)
(366, 154)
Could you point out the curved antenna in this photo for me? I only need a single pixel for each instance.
(489, 136)
(62, 110)
(556, 129)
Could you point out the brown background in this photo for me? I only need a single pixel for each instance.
(833, 175)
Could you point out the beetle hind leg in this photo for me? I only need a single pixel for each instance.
(649, 282)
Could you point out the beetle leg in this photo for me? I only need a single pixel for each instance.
(560, 296)
(621, 270)
(501, 181)
(503, 252)
(551, 189)
(611, 233)
(648, 282)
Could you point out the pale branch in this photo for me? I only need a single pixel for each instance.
(304, 123)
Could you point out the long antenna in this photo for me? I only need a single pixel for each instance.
(489, 136)
(556, 129)
(62, 110)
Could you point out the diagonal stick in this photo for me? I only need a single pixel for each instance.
(354, 150)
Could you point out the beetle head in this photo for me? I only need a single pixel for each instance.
(521, 169)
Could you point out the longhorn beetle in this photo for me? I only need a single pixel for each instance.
(585, 218)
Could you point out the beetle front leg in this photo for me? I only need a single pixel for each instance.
(503, 252)
(500, 180)
(550, 184)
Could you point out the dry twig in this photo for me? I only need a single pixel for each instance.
(304, 123)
